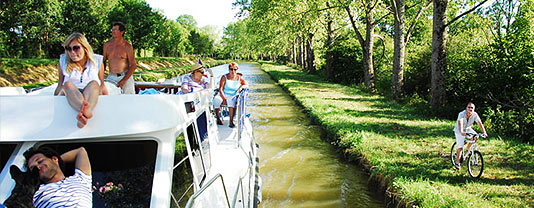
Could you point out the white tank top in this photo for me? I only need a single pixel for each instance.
(81, 77)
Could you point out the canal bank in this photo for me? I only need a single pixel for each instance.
(297, 167)
(408, 154)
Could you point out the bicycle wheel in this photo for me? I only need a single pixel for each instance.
(475, 164)
(453, 154)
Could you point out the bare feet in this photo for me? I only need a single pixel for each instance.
(219, 122)
(231, 125)
(85, 110)
(82, 120)
(85, 113)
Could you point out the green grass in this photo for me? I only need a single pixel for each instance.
(408, 151)
(17, 66)
(39, 84)
(155, 74)
(7, 64)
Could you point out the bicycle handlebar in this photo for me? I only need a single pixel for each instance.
(472, 136)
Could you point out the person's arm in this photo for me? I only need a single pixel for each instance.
(481, 125)
(105, 54)
(132, 65)
(222, 82)
(103, 88)
(461, 127)
(210, 85)
(80, 158)
(243, 84)
(185, 86)
(60, 80)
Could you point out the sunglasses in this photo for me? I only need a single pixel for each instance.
(232, 69)
(73, 48)
(470, 107)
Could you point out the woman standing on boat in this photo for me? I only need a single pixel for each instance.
(229, 86)
(81, 76)
(196, 79)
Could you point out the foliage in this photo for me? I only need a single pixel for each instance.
(201, 42)
(81, 16)
(142, 23)
(348, 65)
(37, 28)
(173, 44)
(409, 152)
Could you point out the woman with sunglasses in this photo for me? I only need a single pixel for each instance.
(196, 79)
(465, 120)
(229, 86)
(81, 76)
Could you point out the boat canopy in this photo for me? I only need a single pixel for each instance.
(42, 118)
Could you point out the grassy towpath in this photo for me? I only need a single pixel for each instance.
(409, 153)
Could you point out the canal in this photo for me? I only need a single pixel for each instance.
(297, 167)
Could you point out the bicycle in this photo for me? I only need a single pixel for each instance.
(475, 162)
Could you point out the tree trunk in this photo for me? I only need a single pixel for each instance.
(294, 58)
(303, 49)
(398, 51)
(299, 52)
(329, 44)
(439, 55)
(309, 54)
(368, 66)
(367, 46)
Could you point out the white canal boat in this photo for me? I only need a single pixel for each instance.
(134, 142)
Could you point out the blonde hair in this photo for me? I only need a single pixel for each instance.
(85, 46)
(233, 64)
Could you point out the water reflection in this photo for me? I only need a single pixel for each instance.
(297, 167)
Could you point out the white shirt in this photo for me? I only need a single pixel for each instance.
(73, 191)
(82, 77)
(467, 123)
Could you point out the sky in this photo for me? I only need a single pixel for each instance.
(205, 12)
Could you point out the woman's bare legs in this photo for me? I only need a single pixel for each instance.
(91, 93)
(85, 102)
(231, 111)
(219, 121)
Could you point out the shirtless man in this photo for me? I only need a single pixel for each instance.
(121, 58)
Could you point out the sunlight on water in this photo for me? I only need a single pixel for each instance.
(298, 169)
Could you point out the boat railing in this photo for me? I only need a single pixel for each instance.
(207, 185)
(239, 186)
(241, 107)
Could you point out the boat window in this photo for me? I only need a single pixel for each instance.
(202, 126)
(182, 177)
(196, 160)
(122, 171)
(5, 152)
(191, 137)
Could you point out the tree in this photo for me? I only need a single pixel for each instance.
(401, 39)
(141, 22)
(201, 42)
(80, 16)
(439, 50)
(172, 44)
(368, 9)
(187, 21)
(28, 28)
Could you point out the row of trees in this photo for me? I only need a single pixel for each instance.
(37, 28)
(436, 53)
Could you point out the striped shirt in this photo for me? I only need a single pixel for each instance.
(188, 80)
(73, 191)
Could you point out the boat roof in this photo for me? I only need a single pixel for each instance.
(43, 118)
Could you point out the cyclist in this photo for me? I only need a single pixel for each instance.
(465, 120)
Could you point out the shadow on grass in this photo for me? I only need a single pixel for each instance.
(431, 163)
